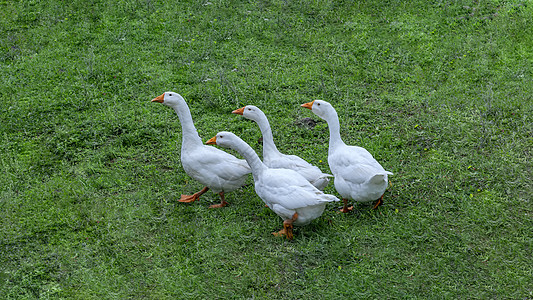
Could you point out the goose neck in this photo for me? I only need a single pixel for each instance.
(269, 147)
(189, 134)
(334, 129)
(251, 158)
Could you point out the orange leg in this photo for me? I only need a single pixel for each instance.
(193, 197)
(345, 208)
(287, 228)
(222, 201)
(378, 202)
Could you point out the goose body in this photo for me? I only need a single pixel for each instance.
(357, 175)
(272, 158)
(214, 168)
(285, 191)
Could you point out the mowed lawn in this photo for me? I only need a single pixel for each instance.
(440, 92)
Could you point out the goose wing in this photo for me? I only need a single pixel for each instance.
(290, 190)
(211, 162)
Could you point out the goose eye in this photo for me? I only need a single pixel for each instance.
(170, 94)
(318, 104)
(249, 109)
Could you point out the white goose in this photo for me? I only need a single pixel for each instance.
(214, 168)
(285, 191)
(358, 176)
(275, 159)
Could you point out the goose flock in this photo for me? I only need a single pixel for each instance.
(290, 186)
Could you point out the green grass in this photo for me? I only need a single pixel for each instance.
(440, 93)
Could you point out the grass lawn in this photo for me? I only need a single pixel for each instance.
(440, 92)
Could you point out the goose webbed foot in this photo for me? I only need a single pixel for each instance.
(222, 201)
(193, 197)
(345, 208)
(287, 228)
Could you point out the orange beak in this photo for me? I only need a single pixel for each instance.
(159, 99)
(308, 105)
(239, 111)
(212, 141)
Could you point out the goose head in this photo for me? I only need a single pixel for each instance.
(224, 139)
(250, 112)
(320, 108)
(169, 99)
